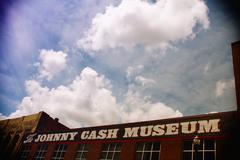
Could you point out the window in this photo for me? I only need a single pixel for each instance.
(82, 152)
(25, 152)
(205, 151)
(148, 151)
(59, 152)
(111, 151)
(41, 151)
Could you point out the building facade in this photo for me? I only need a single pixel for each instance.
(12, 131)
(202, 137)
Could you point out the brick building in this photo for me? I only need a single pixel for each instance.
(166, 139)
(12, 131)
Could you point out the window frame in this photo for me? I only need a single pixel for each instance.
(59, 152)
(151, 151)
(41, 152)
(114, 152)
(202, 150)
(26, 149)
(81, 148)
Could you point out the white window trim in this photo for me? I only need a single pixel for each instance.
(114, 151)
(42, 150)
(151, 151)
(82, 151)
(60, 151)
(203, 150)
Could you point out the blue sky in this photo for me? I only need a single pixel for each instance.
(111, 61)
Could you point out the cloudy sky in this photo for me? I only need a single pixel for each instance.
(91, 62)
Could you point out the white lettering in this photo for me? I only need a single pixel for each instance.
(72, 135)
(64, 137)
(201, 126)
(146, 131)
(93, 135)
(131, 132)
(57, 137)
(112, 133)
(102, 134)
(172, 129)
(84, 134)
(43, 138)
(206, 126)
(158, 130)
(186, 129)
(30, 138)
(50, 137)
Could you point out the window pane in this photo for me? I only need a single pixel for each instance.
(155, 155)
(198, 155)
(209, 156)
(140, 146)
(112, 146)
(148, 151)
(84, 155)
(25, 152)
(118, 147)
(187, 156)
(198, 147)
(201, 145)
(110, 155)
(187, 145)
(209, 145)
(111, 151)
(59, 151)
(208, 150)
(117, 156)
(80, 147)
(148, 146)
(105, 147)
(146, 156)
(156, 146)
(82, 151)
(40, 154)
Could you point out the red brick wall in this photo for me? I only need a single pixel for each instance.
(33, 151)
(94, 151)
(128, 151)
(71, 152)
(46, 124)
(171, 150)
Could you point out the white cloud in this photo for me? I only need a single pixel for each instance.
(139, 22)
(2, 116)
(222, 86)
(88, 100)
(206, 69)
(52, 63)
(137, 108)
(144, 81)
(133, 71)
